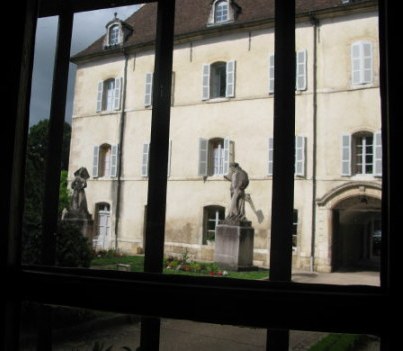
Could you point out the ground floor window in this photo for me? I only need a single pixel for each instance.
(102, 238)
(212, 216)
(294, 228)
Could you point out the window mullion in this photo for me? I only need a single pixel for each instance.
(283, 143)
(283, 156)
(56, 124)
(159, 144)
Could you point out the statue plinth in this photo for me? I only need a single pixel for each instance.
(82, 220)
(234, 246)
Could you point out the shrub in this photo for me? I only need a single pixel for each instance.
(72, 248)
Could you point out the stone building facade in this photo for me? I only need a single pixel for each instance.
(222, 111)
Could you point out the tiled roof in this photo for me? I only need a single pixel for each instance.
(191, 17)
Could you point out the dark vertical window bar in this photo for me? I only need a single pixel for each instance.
(158, 161)
(17, 83)
(53, 163)
(389, 22)
(283, 147)
(56, 123)
(283, 156)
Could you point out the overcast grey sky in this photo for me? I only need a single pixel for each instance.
(88, 26)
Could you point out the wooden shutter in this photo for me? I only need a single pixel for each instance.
(203, 157)
(148, 90)
(301, 70)
(230, 87)
(378, 154)
(361, 63)
(169, 158)
(114, 161)
(100, 94)
(366, 63)
(117, 93)
(144, 163)
(95, 161)
(271, 74)
(355, 63)
(346, 155)
(228, 154)
(300, 144)
(206, 82)
(270, 157)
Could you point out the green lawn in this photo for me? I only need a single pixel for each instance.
(339, 342)
(194, 268)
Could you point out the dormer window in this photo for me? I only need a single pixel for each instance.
(114, 34)
(117, 32)
(223, 11)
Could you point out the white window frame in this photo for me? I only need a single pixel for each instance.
(148, 91)
(221, 6)
(271, 74)
(114, 34)
(103, 212)
(208, 165)
(301, 70)
(348, 162)
(109, 94)
(360, 159)
(361, 63)
(145, 159)
(109, 162)
(209, 82)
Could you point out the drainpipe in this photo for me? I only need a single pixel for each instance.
(315, 24)
(120, 148)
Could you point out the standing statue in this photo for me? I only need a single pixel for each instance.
(78, 203)
(239, 182)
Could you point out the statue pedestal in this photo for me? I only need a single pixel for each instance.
(82, 221)
(234, 247)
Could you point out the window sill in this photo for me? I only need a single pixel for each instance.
(217, 100)
(364, 177)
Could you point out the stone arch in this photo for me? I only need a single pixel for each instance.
(355, 212)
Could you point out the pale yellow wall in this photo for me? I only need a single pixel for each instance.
(246, 119)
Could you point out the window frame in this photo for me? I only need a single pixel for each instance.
(259, 304)
(114, 34)
(221, 3)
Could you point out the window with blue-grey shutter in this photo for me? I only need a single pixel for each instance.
(100, 94)
(346, 155)
(215, 156)
(301, 82)
(230, 82)
(203, 157)
(299, 156)
(117, 93)
(148, 90)
(301, 67)
(206, 82)
(145, 159)
(95, 161)
(169, 158)
(228, 154)
(361, 63)
(271, 74)
(114, 161)
(270, 157)
(300, 145)
(378, 154)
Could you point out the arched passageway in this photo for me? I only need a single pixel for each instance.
(356, 234)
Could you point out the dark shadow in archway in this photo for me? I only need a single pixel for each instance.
(356, 234)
